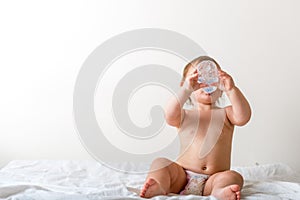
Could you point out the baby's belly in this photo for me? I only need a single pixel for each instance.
(215, 161)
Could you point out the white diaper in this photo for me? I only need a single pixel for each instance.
(195, 183)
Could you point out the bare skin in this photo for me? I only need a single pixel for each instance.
(206, 136)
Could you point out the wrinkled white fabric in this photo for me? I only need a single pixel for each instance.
(88, 180)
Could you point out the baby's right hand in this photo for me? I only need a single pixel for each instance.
(191, 81)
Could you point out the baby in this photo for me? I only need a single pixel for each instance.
(205, 132)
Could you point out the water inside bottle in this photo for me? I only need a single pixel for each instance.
(208, 74)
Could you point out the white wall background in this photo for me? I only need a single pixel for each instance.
(43, 45)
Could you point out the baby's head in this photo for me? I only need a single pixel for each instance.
(200, 95)
(193, 64)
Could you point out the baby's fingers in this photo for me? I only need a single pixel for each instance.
(193, 76)
(226, 81)
(223, 75)
(195, 71)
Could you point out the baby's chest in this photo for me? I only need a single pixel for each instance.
(199, 124)
(206, 119)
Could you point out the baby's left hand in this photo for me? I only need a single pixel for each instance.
(226, 81)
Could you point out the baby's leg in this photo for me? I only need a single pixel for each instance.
(224, 185)
(164, 177)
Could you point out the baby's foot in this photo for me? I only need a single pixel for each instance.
(231, 192)
(151, 188)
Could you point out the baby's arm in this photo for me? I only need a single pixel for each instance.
(240, 112)
(174, 113)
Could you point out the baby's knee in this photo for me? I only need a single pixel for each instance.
(235, 176)
(161, 163)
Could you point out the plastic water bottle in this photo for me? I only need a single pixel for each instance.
(208, 74)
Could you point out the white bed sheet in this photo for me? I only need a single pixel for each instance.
(88, 180)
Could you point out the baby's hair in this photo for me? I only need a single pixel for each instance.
(194, 63)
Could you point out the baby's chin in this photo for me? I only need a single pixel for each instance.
(206, 98)
(205, 101)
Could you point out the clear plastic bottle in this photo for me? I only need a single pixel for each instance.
(208, 74)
